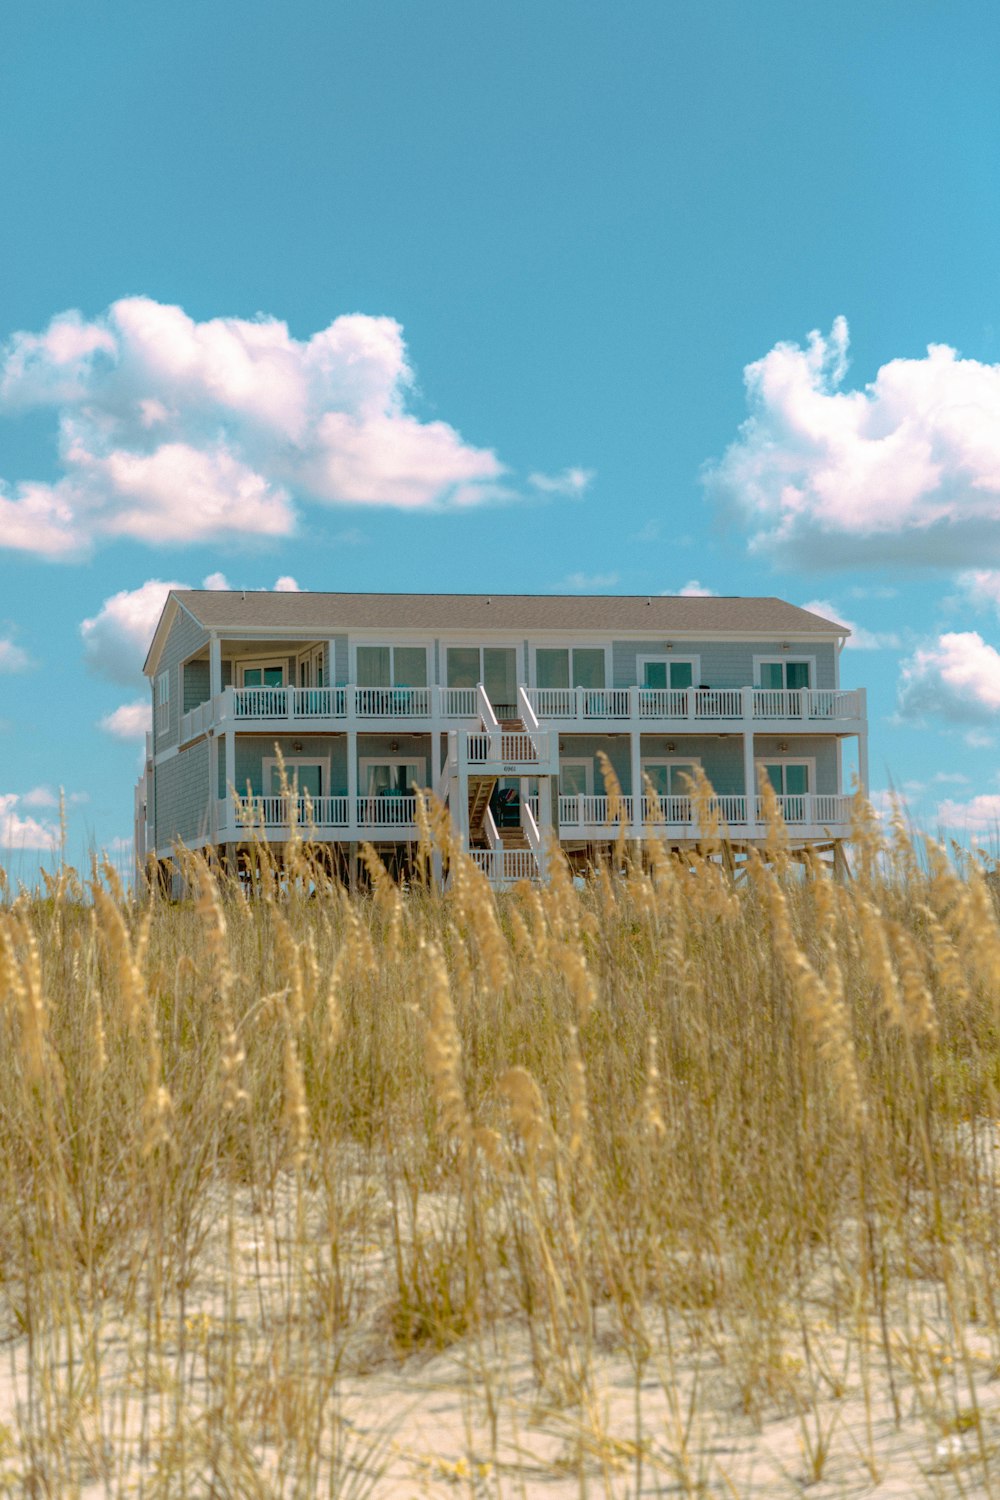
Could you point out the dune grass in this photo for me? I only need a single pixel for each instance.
(644, 1163)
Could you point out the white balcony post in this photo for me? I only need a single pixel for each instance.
(635, 747)
(214, 666)
(230, 754)
(689, 703)
(545, 825)
(863, 760)
(750, 779)
(579, 702)
(352, 781)
(633, 705)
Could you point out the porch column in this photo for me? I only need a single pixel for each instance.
(213, 786)
(863, 760)
(546, 828)
(352, 781)
(214, 666)
(635, 746)
(750, 783)
(229, 739)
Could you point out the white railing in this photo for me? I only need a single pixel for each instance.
(816, 809)
(504, 866)
(260, 703)
(198, 719)
(307, 812)
(694, 704)
(387, 812)
(392, 702)
(458, 703)
(808, 703)
(583, 809)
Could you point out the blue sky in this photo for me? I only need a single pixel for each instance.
(517, 297)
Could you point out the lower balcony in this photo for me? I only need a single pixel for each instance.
(807, 815)
(323, 817)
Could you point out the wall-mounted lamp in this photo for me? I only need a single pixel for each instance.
(669, 646)
(782, 745)
(296, 745)
(671, 745)
(562, 747)
(785, 646)
(393, 745)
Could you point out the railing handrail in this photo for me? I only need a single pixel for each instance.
(485, 709)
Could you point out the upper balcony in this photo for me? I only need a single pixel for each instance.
(601, 710)
(677, 709)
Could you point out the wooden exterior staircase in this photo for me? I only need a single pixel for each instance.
(481, 789)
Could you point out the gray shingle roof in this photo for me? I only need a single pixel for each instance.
(659, 614)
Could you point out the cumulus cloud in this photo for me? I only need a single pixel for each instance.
(178, 431)
(980, 587)
(957, 677)
(978, 815)
(116, 639)
(18, 832)
(903, 471)
(860, 638)
(572, 482)
(694, 589)
(13, 658)
(131, 721)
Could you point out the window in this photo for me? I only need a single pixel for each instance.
(262, 674)
(561, 667)
(780, 672)
(789, 778)
(163, 702)
(576, 778)
(305, 777)
(494, 666)
(392, 666)
(670, 778)
(666, 671)
(393, 776)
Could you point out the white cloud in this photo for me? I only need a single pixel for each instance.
(131, 721)
(176, 431)
(116, 640)
(860, 638)
(40, 796)
(979, 815)
(980, 587)
(572, 482)
(587, 583)
(17, 832)
(693, 589)
(958, 678)
(13, 658)
(904, 471)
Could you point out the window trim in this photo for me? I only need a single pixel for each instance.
(163, 702)
(571, 646)
(668, 657)
(762, 661)
(253, 662)
(425, 646)
(365, 763)
(670, 760)
(268, 763)
(787, 760)
(587, 762)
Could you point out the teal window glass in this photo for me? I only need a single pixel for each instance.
(654, 674)
(681, 674)
(463, 666)
(410, 667)
(374, 666)
(797, 674)
(588, 668)
(552, 667)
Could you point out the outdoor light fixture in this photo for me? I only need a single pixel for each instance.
(671, 745)
(393, 744)
(296, 745)
(782, 745)
(785, 646)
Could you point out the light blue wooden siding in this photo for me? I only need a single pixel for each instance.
(340, 660)
(723, 663)
(721, 760)
(196, 684)
(253, 750)
(182, 787)
(183, 640)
